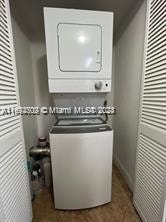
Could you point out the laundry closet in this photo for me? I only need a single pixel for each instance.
(81, 56)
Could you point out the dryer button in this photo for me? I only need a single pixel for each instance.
(98, 85)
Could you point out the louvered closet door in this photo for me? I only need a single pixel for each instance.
(15, 205)
(150, 181)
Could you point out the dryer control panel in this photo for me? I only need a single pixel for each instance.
(79, 50)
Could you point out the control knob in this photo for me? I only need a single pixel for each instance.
(98, 85)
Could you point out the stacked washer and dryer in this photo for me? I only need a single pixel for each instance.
(79, 60)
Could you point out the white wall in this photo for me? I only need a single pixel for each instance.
(128, 71)
(33, 83)
(110, 96)
(25, 81)
(40, 78)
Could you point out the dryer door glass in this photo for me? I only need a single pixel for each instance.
(80, 47)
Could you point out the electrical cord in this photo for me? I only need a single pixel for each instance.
(106, 115)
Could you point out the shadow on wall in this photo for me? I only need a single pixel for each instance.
(127, 19)
(43, 81)
(45, 122)
(128, 75)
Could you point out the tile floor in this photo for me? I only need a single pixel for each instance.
(119, 210)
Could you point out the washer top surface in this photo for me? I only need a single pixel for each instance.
(80, 129)
(79, 121)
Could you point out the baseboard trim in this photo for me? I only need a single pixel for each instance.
(123, 171)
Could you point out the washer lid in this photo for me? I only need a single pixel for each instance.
(79, 121)
(80, 129)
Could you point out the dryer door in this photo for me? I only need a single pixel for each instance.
(80, 47)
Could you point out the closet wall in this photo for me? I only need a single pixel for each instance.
(22, 46)
(32, 78)
(128, 72)
(40, 80)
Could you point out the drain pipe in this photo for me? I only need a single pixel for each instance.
(36, 151)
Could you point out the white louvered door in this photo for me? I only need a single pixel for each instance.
(150, 179)
(15, 204)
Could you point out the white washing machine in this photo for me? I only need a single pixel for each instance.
(81, 154)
